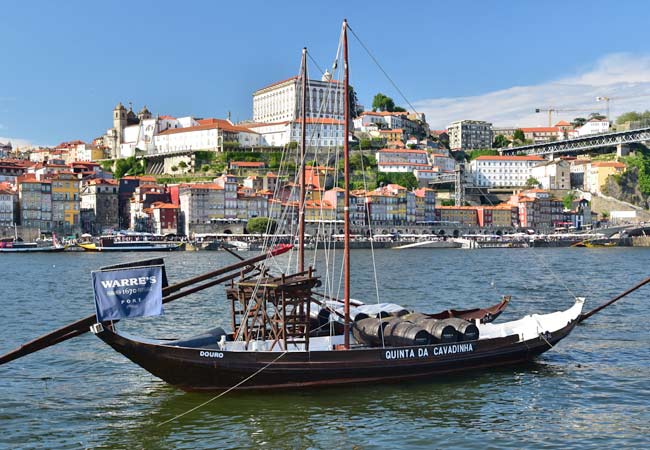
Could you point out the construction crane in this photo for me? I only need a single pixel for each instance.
(550, 112)
(608, 99)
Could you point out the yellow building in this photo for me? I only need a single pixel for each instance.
(396, 134)
(65, 202)
(466, 215)
(597, 172)
(319, 211)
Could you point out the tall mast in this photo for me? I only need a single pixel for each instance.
(303, 152)
(346, 203)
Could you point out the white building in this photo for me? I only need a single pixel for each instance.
(402, 160)
(205, 134)
(443, 162)
(470, 134)
(594, 126)
(502, 171)
(402, 155)
(325, 132)
(8, 199)
(553, 174)
(279, 102)
(167, 134)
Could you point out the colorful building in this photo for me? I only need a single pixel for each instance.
(66, 203)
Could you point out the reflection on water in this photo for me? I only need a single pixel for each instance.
(589, 391)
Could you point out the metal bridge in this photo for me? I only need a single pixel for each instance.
(581, 144)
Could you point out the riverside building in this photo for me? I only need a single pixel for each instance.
(502, 171)
(470, 134)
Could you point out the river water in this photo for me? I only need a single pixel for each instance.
(591, 391)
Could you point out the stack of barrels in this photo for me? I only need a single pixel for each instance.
(410, 329)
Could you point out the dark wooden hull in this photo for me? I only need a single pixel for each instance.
(33, 250)
(208, 369)
(126, 248)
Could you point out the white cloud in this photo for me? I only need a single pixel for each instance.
(16, 142)
(623, 77)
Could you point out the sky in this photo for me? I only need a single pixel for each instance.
(65, 65)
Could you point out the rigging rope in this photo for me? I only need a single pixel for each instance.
(222, 393)
(382, 69)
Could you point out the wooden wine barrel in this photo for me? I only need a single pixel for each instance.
(440, 331)
(415, 317)
(360, 316)
(467, 331)
(369, 331)
(399, 313)
(401, 333)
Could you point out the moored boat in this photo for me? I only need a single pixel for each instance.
(17, 246)
(290, 331)
(277, 343)
(109, 244)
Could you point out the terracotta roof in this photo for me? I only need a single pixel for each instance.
(616, 164)
(168, 117)
(211, 124)
(399, 163)
(402, 150)
(563, 123)
(162, 205)
(248, 163)
(465, 208)
(509, 158)
(143, 178)
(420, 192)
(384, 113)
(541, 130)
(102, 181)
(394, 130)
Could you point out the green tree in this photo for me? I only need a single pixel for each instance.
(406, 180)
(355, 110)
(633, 116)
(365, 144)
(500, 141)
(398, 109)
(129, 166)
(532, 182)
(107, 166)
(205, 168)
(182, 166)
(578, 122)
(382, 102)
(260, 225)
(482, 152)
(174, 169)
(597, 116)
(568, 200)
(519, 135)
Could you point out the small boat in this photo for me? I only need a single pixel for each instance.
(109, 244)
(589, 243)
(15, 245)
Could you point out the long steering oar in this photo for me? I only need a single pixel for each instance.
(82, 326)
(585, 316)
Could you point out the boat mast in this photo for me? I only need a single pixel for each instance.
(346, 203)
(303, 152)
